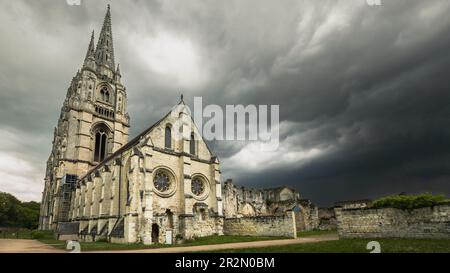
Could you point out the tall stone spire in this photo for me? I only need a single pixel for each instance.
(104, 54)
(90, 55)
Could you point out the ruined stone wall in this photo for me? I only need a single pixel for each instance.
(306, 216)
(247, 202)
(327, 219)
(283, 226)
(433, 222)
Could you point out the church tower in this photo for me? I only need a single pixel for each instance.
(93, 124)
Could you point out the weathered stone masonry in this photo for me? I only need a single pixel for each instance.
(283, 226)
(432, 223)
(248, 202)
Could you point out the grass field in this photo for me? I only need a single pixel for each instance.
(316, 233)
(341, 246)
(211, 240)
(357, 246)
(20, 234)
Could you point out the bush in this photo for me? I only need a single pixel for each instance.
(409, 202)
(42, 235)
(102, 240)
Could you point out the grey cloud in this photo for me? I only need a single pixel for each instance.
(368, 86)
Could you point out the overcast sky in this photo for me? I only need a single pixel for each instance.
(363, 90)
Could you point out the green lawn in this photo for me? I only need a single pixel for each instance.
(211, 240)
(316, 233)
(357, 246)
(22, 234)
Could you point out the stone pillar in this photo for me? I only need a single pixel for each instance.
(186, 182)
(148, 199)
(131, 218)
(217, 186)
(187, 226)
(291, 217)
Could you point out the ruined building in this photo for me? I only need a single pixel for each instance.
(246, 202)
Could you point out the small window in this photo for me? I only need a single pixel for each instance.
(168, 138)
(192, 145)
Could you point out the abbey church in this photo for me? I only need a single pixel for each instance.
(154, 188)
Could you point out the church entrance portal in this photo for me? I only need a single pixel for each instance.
(155, 233)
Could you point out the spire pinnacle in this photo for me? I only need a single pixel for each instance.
(90, 55)
(182, 99)
(104, 53)
(118, 70)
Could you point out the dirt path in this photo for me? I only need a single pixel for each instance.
(31, 246)
(26, 246)
(206, 248)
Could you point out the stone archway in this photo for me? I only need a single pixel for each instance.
(155, 234)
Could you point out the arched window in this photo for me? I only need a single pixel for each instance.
(168, 138)
(192, 145)
(100, 146)
(104, 94)
(202, 215)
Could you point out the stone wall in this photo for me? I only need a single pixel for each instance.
(283, 226)
(306, 216)
(327, 219)
(432, 222)
(248, 202)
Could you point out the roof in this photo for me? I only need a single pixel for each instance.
(134, 141)
(124, 148)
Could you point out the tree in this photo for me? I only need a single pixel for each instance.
(16, 214)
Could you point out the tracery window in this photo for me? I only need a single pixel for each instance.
(162, 181)
(198, 187)
(100, 146)
(104, 94)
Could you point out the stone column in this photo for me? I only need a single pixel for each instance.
(148, 198)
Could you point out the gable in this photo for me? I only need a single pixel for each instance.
(156, 135)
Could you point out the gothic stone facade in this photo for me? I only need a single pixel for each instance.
(93, 124)
(151, 189)
(137, 191)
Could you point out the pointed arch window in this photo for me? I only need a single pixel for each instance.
(192, 145)
(100, 146)
(104, 94)
(168, 137)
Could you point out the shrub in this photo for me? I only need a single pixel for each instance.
(41, 235)
(102, 240)
(409, 202)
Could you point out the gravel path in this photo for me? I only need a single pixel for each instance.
(26, 246)
(31, 246)
(206, 248)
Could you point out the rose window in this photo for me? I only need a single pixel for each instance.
(198, 187)
(162, 182)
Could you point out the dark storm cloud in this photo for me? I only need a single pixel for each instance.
(363, 91)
